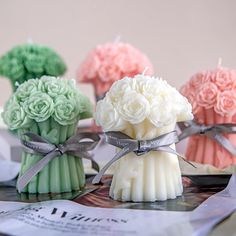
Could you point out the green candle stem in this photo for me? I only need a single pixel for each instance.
(74, 175)
(31, 159)
(54, 165)
(43, 176)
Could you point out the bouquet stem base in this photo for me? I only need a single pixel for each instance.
(64, 173)
(154, 176)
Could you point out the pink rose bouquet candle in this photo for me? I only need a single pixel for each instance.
(213, 97)
(111, 62)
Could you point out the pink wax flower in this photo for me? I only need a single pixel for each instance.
(226, 103)
(224, 79)
(207, 94)
(110, 62)
(212, 95)
(205, 88)
(198, 80)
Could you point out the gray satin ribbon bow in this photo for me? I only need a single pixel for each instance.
(139, 147)
(214, 132)
(49, 151)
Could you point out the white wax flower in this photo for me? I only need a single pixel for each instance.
(109, 118)
(144, 107)
(118, 90)
(158, 118)
(143, 97)
(133, 107)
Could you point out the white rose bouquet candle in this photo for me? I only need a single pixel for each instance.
(51, 108)
(144, 108)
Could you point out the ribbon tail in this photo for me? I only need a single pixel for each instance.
(34, 170)
(172, 151)
(95, 165)
(120, 154)
(220, 139)
(183, 135)
(89, 157)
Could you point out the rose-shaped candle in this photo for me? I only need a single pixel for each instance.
(110, 62)
(212, 94)
(30, 61)
(143, 108)
(50, 107)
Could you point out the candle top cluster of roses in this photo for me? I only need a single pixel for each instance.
(110, 62)
(212, 89)
(36, 100)
(30, 61)
(134, 100)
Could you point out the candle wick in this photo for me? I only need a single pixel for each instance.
(145, 70)
(219, 62)
(117, 39)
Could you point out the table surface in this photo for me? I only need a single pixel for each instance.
(194, 194)
(191, 198)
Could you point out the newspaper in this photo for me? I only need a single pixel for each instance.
(60, 217)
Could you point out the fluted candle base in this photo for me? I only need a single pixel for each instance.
(154, 176)
(64, 173)
(203, 150)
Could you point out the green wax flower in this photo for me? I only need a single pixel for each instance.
(29, 61)
(12, 68)
(66, 111)
(54, 87)
(86, 107)
(39, 106)
(14, 115)
(48, 97)
(54, 66)
(26, 89)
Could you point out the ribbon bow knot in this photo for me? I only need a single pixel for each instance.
(143, 147)
(74, 146)
(60, 148)
(139, 147)
(214, 132)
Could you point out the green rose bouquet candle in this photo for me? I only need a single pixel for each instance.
(29, 61)
(51, 108)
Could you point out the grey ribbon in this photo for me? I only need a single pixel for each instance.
(49, 151)
(139, 147)
(214, 132)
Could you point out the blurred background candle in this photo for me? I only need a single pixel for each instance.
(110, 62)
(29, 61)
(212, 94)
